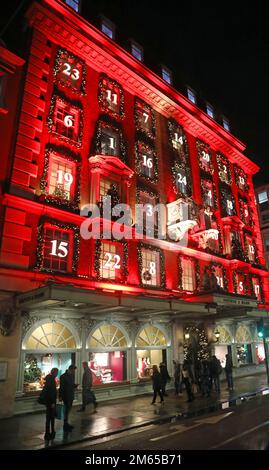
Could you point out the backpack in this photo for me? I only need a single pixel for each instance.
(42, 399)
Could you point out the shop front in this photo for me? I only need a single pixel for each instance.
(224, 343)
(244, 346)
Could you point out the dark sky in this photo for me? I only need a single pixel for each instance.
(222, 52)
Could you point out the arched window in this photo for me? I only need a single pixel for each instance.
(225, 336)
(107, 335)
(151, 336)
(243, 335)
(51, 336)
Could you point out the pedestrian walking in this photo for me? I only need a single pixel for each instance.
(156, 384)
(165, 377)
(177, 378)
(229, 371)
(186, 374)
(67, 394)
(49, 393)
(215, 371)
(88, 395)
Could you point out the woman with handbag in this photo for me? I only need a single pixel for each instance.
(50, 397)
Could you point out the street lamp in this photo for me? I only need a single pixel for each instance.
(217, 334)
(187, 336)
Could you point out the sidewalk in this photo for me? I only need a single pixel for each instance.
(27, 432)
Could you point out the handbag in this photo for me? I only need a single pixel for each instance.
(59, 411)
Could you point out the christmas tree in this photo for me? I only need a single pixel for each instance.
(32, 373)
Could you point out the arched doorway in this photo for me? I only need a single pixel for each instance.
(243, 340)
(223, 346)
(48, 344)
(108, 346)
(151, 348)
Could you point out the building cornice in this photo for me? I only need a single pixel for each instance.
(65, 27)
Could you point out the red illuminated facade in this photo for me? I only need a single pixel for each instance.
(95, 121)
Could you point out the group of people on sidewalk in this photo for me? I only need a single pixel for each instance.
(67, 388)
(203, 376)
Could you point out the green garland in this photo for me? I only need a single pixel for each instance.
(59, 201)
(41, 243)
(103, 103)
(143, 147)
(145, 246)
(63, 54)
(97, 263)
(52, 127)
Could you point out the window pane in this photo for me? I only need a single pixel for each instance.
(263, 197)
(150, 268)
(56, 249)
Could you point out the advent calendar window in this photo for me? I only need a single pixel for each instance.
(66, 120)
(256, 286)
(57, 249)
(245, 214)
(250, 248)
(218, 271)
(145, 121)
(146, 161)
(241, 178)
(227, 202)
(61, 177)
(150, 274)
(188, 274)
(70, 70)
(110, 96)
(181, 180)
(204, 157)
(178, 141)
(207, 192)
(109, 141)
(241, 283)
(111, 261)
(223, 169)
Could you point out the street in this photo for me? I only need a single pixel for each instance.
(244, 427)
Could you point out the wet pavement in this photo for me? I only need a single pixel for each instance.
(27, 432)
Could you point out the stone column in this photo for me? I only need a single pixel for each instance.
(9, 355)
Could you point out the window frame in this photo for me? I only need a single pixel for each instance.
(51, 226)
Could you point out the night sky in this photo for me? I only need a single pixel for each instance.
(221, 52)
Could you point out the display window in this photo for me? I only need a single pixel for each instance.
(207, 192)
(223, 169)
(250, 248)
(260, 354)
(256, 287)
(188, 280)
(109, 141)
(51, 344)
(110, 96)
(227, 203)
(245, 213)
(241, 178)
(181, 180)
(146, 161)
(220, 353)
(204, 157)
(219, 276)
(244, 354)
(241, 283)
(149, 214)
(146, 359)
(66, 120)
(57, 251)
(151, 346)
(61, 177)
(108, 367)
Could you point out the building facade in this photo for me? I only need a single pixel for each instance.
(94, 122)
(262, 199)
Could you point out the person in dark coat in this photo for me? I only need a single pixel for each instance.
(67, 393)
(156, 384)
(215, 370)
(165, 377)
(205, 379)
(88, 395)
(177, 378)
(187, 380)
(229, 371)
(50, 393)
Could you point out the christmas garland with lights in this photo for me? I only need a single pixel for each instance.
(223, 162)
(141, 148)
(140, 104)
(252, 291)
(97, 261)
(106, 123)
(60, 200)
(104, 103)
(58, 96)
(197, 348)
(145, 246)
(203, 147)
(41, 244)
(196, 267)
(63, 54)
(181, 154)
